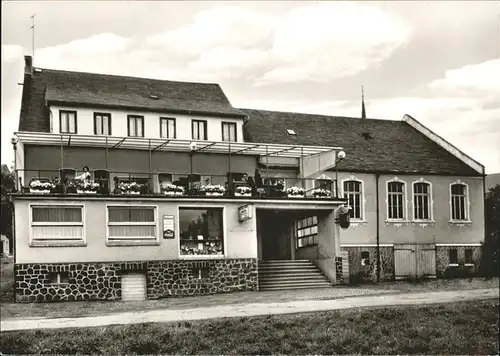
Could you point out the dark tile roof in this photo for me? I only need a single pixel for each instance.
(371, 144)
(89, 89)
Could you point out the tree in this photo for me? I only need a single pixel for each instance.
(7, 188)
(491, 250)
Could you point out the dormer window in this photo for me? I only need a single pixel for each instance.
(229, 131)
(67, 122)
(102, 124)
(291, 132)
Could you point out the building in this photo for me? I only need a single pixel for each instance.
(163, 204)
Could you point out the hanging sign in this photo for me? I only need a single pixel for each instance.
(245, 212)
(168, 227)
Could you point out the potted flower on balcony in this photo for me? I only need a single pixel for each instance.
(172, 189)
(321, 193)
(38, 187)
(243, 192)
(86, 187)
(213, 190)
(295, 192)
(132, 188)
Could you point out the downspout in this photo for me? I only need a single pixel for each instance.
(377, 176)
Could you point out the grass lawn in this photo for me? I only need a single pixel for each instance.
(459, 328)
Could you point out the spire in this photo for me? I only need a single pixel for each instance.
(363, 110)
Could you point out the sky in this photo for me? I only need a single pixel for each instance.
(436, 61)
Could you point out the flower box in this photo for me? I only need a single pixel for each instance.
(321, 193)
(236, 194)
(214, 194)
(171, 190)
(36, 191)
(131, 192)
(172, 193)
(295, 195)
(86, 191)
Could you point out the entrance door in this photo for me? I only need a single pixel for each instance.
(274, 235)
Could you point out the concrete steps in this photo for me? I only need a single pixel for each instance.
(290, 274)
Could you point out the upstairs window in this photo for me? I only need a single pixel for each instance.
(67, 122)
(102, 124)
(199, 130)
(352, 192)
(229, 131)
(323, 184)
(167, 127)
(421, 201)
(135, 126)
(459, 202)
(395, 200)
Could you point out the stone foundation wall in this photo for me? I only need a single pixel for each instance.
(368, 273)
(102, 281)
(443, 268)
(178, 278)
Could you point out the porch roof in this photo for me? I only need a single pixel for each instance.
(158, 144)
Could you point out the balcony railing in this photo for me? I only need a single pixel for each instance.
(239, 185)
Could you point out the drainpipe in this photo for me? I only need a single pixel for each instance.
(377, 176)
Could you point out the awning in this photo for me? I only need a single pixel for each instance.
(156, 144)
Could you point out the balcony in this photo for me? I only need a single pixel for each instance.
(68, 181)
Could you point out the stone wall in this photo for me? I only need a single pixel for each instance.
(359, 273)
(187, 277)
(443, 268)
(102, 281)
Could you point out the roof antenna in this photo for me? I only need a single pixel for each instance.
(33, 36)
(363, 110)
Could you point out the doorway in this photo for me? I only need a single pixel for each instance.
(273, 229)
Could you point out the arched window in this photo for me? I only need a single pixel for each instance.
(422, 201)
(459, 202)
(396, 200)
(353, 193)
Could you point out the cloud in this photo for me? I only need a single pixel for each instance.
(329, 41)
(477, 80)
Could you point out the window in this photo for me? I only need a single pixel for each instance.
(307, 230)
(67, 122)
(201, 231)
(468, 256)
(229, 131)
(458, 202)
(365, 258)
(58, 277)
(453, 256)
(201, 273)
(199, 130)
(135, 126)
(396, 200)
(102, 124)
(291, 132)
(323, 184)
(421, 201)
(131, 223)
(167, 127)
(57, 223)
(352, 192)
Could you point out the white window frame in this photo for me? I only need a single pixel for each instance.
(362, 197)
(57, 242)
(315, 235)
(405, 201)
(134, 240)
(178, 231)
(467, 219)
(431, 201)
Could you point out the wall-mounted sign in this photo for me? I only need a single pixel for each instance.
(168, 227)
(245, 212)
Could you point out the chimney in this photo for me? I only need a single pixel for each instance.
(28, 65)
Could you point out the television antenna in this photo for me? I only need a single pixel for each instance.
(32, 28)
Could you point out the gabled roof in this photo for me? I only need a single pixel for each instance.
(371, 144)
(102, 90)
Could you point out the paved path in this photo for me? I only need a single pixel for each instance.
(241, 310)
